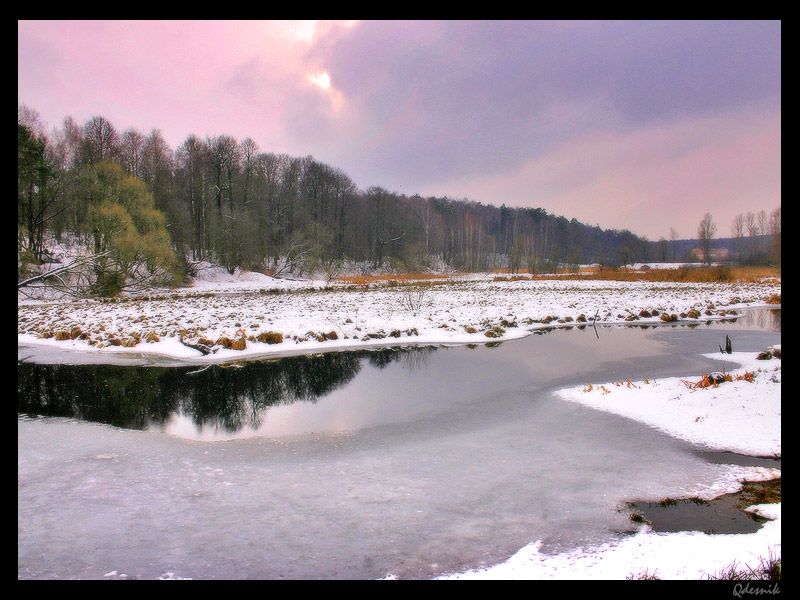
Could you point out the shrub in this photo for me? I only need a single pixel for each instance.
(270, 337)
(495, 332)
(225, 342)
(769, 353)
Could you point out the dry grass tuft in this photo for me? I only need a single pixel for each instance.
(225, 342)
(716, 378)
(391, 280)
(495, 332)
(693, 274)
(645, 575)
(769, 569)
(512, 278)
(270, 337)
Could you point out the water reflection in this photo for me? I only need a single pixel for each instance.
(767, 319)
(228, 399)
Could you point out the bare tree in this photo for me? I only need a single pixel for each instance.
(706, 231)
(673, 240)
(100, 140)
(752, 233)
(737, 231)
(131, 152)
(763, 226)
(30, 118)
(249, 151)
(775, 232)
(67, 143)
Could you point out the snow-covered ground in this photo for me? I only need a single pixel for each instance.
(743, 415)
(312, 316)
(686, 555)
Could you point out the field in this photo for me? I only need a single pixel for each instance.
(223, 317)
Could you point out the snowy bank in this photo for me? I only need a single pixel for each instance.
(684, 555)
(742, 415)
(269, 317)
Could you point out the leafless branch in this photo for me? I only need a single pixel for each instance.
(65, 269)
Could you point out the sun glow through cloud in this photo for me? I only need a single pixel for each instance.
(323, 80)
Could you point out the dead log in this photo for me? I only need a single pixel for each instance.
(202, 348)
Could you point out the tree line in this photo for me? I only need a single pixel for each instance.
(755, 239)
(148, 213)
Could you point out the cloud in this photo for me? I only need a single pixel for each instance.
(202, 77)
(650, 178)
(438, 99)
(566, 111)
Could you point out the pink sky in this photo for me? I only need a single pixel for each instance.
(634, 125)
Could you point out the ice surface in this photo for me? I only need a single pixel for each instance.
(449, 489)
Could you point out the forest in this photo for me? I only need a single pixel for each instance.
(146, 213)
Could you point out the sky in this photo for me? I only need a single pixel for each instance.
(639, 125)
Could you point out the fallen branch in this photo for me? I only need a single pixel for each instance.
(60, 270)
(202, 348)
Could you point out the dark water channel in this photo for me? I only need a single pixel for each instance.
(721, 515)
(360, 464)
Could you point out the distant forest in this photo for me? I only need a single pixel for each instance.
(141, 205)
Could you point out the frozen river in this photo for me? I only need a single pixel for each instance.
(409, 463)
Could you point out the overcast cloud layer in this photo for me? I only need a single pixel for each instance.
(637, 125)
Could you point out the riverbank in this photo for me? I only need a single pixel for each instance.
(741, 413)
(258, 316)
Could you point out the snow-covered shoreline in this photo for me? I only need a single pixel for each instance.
(740, 416)
(311, 316)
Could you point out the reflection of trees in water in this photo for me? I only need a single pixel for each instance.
(413, 358)
(119, 396)
(232, 396)
(765, 319)
(227, 396)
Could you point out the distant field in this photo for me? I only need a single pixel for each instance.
(724, 273)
